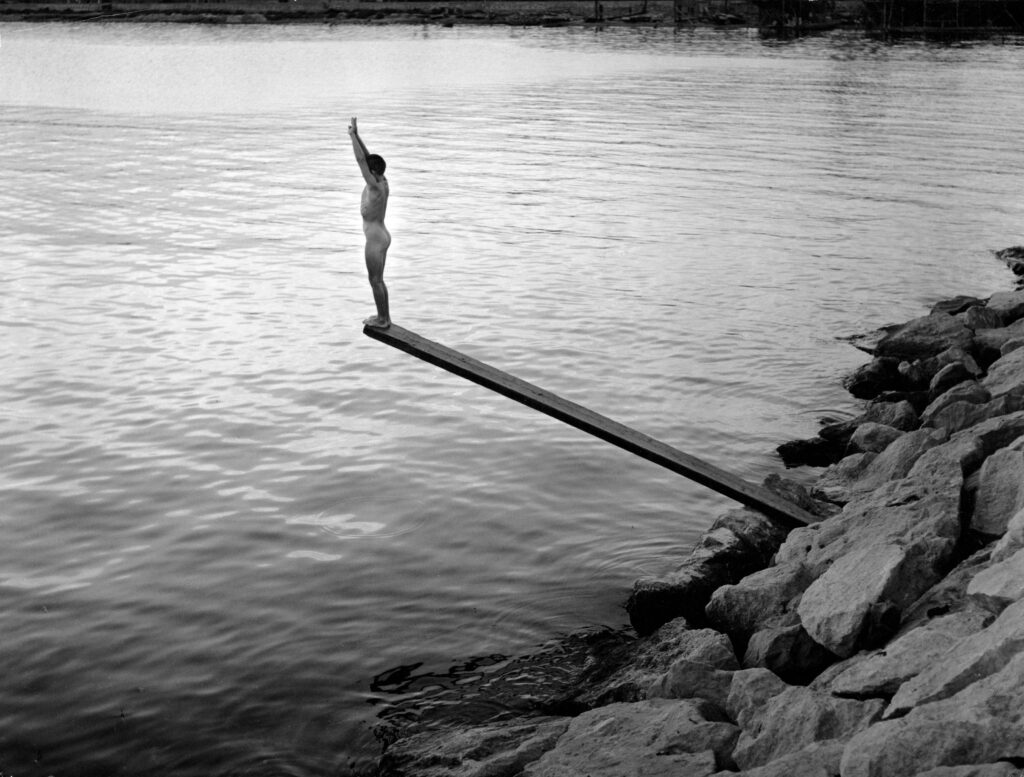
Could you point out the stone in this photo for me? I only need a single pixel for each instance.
(873, 438)
(759, 598)
(881, 672)
(925, 336)
(1012, 540)
(836, 483)
(958, 416)
(738, 543)
(871, 379)
(963, 450)
(487, 750)
(974, 657)
(1011, 345)
(1008, 304)
(999, 585)
(995, 432)
(652, 738)
(989, 342)
(687, 679)
(811, 452)
(1000, 769)
(1006, 374)
(788, 651)
(649, 658)
(796, 493)
(1000, 491)
(749, 694)
(980, 724)
(899, 415)
(969, 391)
(919, 513)
(798, 717)
(955, 305)
(818, 759)
(837, 607)
(978, 317)
(897, 459)
(947, 596)
(919, 373)
(949, 376)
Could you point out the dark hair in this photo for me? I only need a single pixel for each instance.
(376, 164)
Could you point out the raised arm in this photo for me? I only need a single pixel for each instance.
(359, 149)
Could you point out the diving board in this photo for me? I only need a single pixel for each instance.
(587, 420)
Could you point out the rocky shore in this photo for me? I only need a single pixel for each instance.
(886, 639)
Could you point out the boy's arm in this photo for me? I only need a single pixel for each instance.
(359, 149)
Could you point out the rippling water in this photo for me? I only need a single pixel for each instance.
(224, 510)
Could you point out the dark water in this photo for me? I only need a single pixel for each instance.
(225, 511)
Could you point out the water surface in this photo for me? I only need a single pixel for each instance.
(225, 510)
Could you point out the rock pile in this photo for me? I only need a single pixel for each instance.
(884, 640)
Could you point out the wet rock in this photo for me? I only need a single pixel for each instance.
(811, 452)
(818, 759)
(738, 543)
(646, 660)
(881, 672)
(793, 492)
(871, 379)
(1013, 257)
(999, 585)
(925, 336)
(980, 724)
(798, 717)
(788, 651)
(974, 657)
(969, 391)
(489, 750)
(873, 438)
(757, 599)
(653, 738)
(1000, 491)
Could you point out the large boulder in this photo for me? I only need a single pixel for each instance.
(982, 723)
(487, 750)
(1000, 491)
(1008, 304)
(818, 759)
(1012, 540)
(899, 415)
(925, 336)
(787, 650)
(971, 392)
(798, 717)
(757, 600)
(999, 585)
(687, 679)
(871, 379)
(881, 672)
(977, 655)
(1006, 374)
(873, 438)
(652, 738)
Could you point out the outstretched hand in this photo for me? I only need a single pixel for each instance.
(353, 128)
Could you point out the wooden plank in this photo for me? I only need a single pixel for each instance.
(593, 423)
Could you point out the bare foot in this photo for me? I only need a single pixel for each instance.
(376, 322)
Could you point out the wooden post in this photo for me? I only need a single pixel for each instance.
(593, 423)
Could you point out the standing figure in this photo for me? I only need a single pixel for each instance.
(372, 207)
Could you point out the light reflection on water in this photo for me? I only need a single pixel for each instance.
(225, 510)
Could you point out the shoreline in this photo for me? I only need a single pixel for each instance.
(884, 640)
